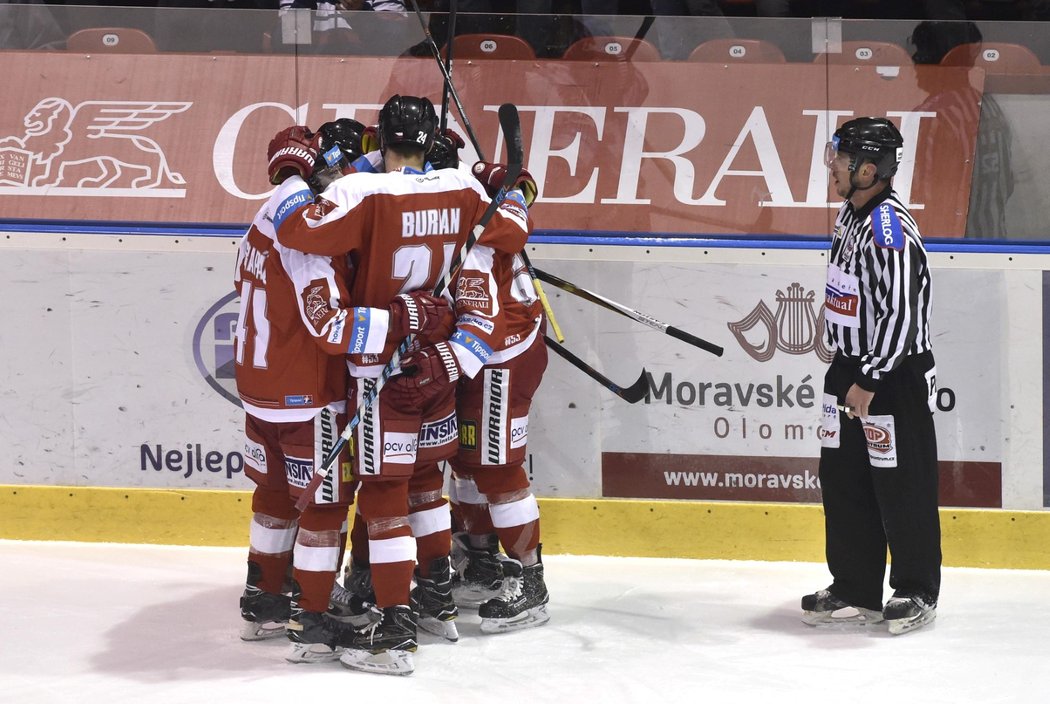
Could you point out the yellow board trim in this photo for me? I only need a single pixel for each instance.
(627, 528)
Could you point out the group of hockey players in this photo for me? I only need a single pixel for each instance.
(337, 269)
(345, 268)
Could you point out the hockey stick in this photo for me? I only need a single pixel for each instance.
(450, 89)
(448, 64)
(448, 77)
(630, 313)
(508, 119)
(631, 394)
(639, 36)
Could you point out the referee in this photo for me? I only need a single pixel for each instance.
(878, 460)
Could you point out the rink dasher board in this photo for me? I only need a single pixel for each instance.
(131, 300)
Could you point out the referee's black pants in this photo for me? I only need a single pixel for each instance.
(869, 505)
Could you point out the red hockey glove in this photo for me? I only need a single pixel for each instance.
(292, 150)
(370, 139)
(426, 374)
(417, 312)
(491, 177)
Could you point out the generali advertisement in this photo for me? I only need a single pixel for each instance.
(120, 374)
(672, 147)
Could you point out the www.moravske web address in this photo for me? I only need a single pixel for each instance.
(743, 480)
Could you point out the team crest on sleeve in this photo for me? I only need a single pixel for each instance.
(886, 227)
(321, 207)
(317, 302)
(472, 291)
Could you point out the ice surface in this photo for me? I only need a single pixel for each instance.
(88, 623)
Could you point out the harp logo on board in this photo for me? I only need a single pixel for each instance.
(797, 327)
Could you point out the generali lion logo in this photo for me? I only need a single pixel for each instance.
(471, 288)
(796, 328)
(97, 147)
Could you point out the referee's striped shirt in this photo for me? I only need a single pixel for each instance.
(877, 300)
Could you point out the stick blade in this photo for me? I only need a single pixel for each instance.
(511, 124)
(638, 390)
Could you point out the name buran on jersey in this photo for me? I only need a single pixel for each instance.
(430, 221)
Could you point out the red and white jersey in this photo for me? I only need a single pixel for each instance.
(292, 328)
(402, 229)
(497, 303)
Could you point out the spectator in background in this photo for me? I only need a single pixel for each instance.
(29, 26)
(676, 38)
(203, 31)
(348, 26)
(957, 108)
(884, 9)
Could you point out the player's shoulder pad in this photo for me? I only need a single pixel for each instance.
(886, 227)
(289, 198)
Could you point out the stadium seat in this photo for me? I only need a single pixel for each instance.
(112, 40)
(864, 53)
(491, 46)
(745, 51)
(993, 57)
(611, 48)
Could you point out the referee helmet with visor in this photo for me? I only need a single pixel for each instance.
(863, 140)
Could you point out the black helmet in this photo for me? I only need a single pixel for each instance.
(338, 144)
(345, 134)
(873, 139)
(407, 120)
(445, 152)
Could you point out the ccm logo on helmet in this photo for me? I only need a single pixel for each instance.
(886, 227)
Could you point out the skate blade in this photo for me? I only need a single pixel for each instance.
(898, 626)
(312, 652)
(471, 597)
(536, 616)
(250, 630)
(385, 662)
(445, 629)
(849, 617)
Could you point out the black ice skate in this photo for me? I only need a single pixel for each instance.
(385, 647)
(478, 573)
(522, 602)
(265, 614)
(824, 609)
(315, 636)
(432, 600)
(907, 613)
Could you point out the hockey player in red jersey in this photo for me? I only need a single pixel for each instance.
(291, 378)
(294, 330)
(492, 500)
(402, 228)
(492, 409)
(431, 599)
